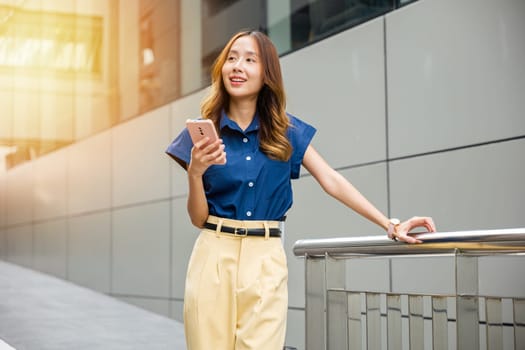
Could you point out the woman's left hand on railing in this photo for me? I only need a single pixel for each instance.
(401, 231)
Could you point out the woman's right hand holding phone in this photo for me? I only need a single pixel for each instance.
(204, 154)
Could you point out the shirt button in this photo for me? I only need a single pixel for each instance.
(248, 158)
(245, 140)
(250, 184)
(248, 213)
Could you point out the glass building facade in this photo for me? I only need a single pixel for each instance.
(70, 69)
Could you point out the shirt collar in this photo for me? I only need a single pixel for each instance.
(227, 122)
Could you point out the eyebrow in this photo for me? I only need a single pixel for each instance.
(252, 53)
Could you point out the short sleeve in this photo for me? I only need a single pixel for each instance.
(180, 148)
(300, 135)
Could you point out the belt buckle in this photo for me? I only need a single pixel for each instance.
(244, 231)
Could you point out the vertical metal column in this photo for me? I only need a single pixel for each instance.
(439, 323)
(467, 308)
(315, 304)
(354, 321)
(494, 324)
(415, 317)
(519, 323)
(393, 314)
(336, 299)
(373, 321)
(337, 326)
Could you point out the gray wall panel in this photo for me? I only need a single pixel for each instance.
(425, 275)
(179, 179)
(176, 310)
(89, 251)
(338, 86)
(140, 169)
(499, 276)
(3, 216)
(89, 174)
(20, 194)
(141, 250)
(455, 74)
(3, 243)
(20, 245)
(50, 185)
(367, 274)
(49, 247)
(3, 200)
(474, 188)
(295, 329)
(184, 235)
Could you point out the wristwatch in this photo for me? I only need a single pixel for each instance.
(393, 223)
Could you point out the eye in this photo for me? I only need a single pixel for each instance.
(251, 60)
(231, 58)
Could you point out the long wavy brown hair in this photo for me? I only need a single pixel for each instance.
(271, 102)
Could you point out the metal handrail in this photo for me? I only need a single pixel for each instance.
(502, 240)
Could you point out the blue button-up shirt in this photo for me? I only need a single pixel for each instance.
(250, 186)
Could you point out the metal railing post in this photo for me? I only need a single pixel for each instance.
(373, 321)
(439, 323)
(315, 304)
(394, 324)
(336, 305)
(519, 323)
(415, 319)
(467, 308)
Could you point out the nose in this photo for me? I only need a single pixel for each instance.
(238, 65)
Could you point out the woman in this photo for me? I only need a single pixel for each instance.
(239, 193)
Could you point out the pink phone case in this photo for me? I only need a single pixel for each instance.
(200, 128)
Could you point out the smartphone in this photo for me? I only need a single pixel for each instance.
(200, 128)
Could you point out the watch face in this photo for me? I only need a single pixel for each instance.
(395, 221)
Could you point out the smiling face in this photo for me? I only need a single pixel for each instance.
(242, 72)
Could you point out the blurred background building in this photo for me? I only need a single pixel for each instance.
(419, 103)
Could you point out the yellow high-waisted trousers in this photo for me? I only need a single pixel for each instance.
(236, 295)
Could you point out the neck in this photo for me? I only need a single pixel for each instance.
(242, 112)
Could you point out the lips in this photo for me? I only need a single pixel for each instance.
(237, 80)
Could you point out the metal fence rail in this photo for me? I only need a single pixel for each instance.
(339, 316)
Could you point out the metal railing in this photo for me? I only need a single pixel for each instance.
(476, 302)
